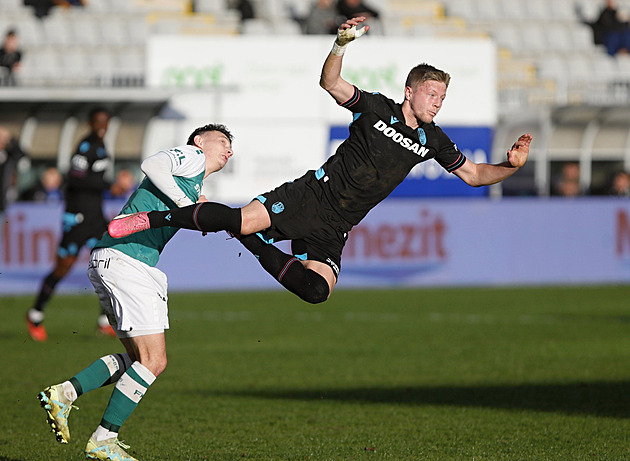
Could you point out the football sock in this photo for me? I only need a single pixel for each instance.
(129, 390)
(206, 217)
(288, 270)
(104, 371)
(46, 291)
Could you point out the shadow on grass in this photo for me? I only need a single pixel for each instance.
(605, 399)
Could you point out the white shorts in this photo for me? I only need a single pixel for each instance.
(132, 293)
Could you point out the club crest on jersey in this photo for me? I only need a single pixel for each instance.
(422, 136)
(399, 138)
(277, 207)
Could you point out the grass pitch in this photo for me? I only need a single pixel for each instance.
(453, 374)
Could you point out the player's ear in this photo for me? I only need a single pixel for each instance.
(198, 140)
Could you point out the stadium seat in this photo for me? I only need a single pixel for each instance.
(559, 37)
(57, 30)
(256, 27)
(85, 30)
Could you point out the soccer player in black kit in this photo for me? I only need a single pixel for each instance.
(83, 220)
(317, 211)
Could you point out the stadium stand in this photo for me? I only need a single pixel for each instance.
(547, 62)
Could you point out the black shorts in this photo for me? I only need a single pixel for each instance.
(76, 236)
(299, 212)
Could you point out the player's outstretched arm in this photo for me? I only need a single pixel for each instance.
(331, 79)
(484, 174)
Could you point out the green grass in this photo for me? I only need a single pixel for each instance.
(457, 374)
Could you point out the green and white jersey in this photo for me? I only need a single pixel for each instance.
(188, 166)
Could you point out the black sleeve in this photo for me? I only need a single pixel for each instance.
(448, 156)
(361, 101)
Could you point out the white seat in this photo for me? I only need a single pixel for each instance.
(11, 5)
(534, 37)
(113, 30)
(559, 37)
(508, 36)
(271, 10)
(604, 67)
(130, 61)
(30, 31)
(487, 10)
(463, 9)
(579, 68)
(57, 30)
(286, 27)
(562, 10)
(85, 30)
(513, 9)
(552, 66)
(538, 9)
(138, 30)
(74, 64)
(215, 7)
(582, 38)
(256, 27)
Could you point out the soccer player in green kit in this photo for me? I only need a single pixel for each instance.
(133, 292)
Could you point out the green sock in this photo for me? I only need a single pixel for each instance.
(129, 389)
(104, 371)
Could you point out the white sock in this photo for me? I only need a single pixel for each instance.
(35, 316)
(69, 391)
(101, 434)
(103, 321)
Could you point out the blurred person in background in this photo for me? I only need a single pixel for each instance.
(317, 211)
(123, 186)
(322, 19)
(12, 161)
(133, 292)
(244, 7)
(83, 220)
(610, 29)
(47, 188)
(567, 184)
(620, 184)
(10, 57)
(353, 8)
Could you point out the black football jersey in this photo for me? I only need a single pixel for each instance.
(85, 181)
(379, 153)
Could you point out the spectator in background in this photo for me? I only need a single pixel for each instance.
(322, 18)
(620, 184)
(245, 7)
(12, 159)
(83, 220)
(610, 29)
(10, 57)
(568, 182)
(123, 187)
(353, 8)
(41, 8)
(47, 188)
(69, 3)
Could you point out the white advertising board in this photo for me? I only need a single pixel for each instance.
(276, 77)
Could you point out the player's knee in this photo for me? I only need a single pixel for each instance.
(317, 290)
(155, 364)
